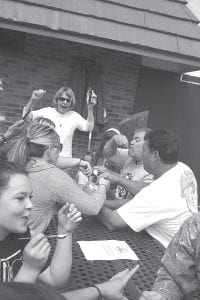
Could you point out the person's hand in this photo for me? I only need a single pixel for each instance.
(99, 170)
(37, 95)
(85, 167)
(151, 295)
(103, 181)
(111, 176)
(113, 289)
(120, 141)
(36, 253)
(68, 218)
(14, 129)
(91, 102)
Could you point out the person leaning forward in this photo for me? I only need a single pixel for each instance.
(168, 201)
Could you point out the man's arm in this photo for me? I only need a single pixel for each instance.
(111, 146)
(111, 219)
(132, 186)
(115, 204)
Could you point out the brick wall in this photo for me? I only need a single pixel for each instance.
(47, 63)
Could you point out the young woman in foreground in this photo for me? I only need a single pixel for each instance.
(27, 260)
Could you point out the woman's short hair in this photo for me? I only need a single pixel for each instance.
(68, 92)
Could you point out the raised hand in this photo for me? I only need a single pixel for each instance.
(120, 140)
(91, 98)
(36, 253)
(37, 95)
(113, 289)
(68, 218)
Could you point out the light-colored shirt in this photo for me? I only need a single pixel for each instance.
(52, 185)
(66, 124)
(163, 206)
(129, 170)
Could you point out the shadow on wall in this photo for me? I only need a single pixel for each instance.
(173, 105)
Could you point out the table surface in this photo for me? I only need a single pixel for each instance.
(86, 273)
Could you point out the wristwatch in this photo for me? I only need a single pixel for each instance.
(2, 139)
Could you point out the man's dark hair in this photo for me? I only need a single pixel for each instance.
(165, 142)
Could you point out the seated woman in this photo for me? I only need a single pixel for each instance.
(67, 162)
(40, 148)
(24, 257)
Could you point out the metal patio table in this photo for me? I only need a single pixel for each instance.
(86, 273)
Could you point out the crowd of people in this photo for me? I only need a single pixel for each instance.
(139, 183)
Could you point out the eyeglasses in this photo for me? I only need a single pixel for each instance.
(63, 99)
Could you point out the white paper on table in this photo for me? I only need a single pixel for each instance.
(107, 250)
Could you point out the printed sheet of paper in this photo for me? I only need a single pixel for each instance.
(107, 250)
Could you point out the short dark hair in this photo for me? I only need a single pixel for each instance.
(7, 170)
(165, 142)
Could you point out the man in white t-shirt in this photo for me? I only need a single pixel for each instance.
(161, 207)
(132, 177)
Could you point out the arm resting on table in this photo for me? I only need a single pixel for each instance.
(111, 219)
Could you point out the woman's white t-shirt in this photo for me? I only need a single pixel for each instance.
(66, 124)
